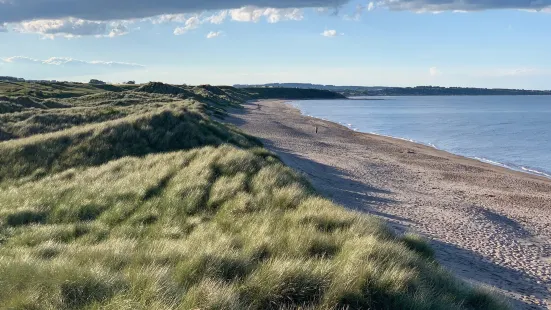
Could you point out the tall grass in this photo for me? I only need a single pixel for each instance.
(213, 227)
(181, 127)
(168, 209)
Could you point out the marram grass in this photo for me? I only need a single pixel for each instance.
(168, 209)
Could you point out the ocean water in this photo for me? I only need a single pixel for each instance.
(510, 131)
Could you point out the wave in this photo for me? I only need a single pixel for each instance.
(495, 163)
(533, 171)
(406, 139)
(513, 167)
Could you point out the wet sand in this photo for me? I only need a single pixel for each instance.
(489, 225)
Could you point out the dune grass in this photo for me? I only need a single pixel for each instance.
(50, 89)
(26, 116)
(168, 209)
(168, 129)
(214, 228)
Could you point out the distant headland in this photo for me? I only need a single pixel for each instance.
(351, 91)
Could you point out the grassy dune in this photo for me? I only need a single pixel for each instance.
(163, 207)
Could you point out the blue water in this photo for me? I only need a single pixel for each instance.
(511, 131)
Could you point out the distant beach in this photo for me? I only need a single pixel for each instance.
(488, 224)
(509, 131)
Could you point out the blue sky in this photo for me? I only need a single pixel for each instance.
(389, 42)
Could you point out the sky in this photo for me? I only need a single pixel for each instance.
(475, 43)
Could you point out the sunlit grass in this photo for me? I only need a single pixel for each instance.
(164, 208)
(206, 228)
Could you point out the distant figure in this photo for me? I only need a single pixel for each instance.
(316, 129)
(258, 106)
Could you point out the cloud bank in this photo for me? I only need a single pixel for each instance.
(244, 14)
(272, 15)
(66, 62)
(15, 11)
(463, 5)
(111, 18)
(71, 28)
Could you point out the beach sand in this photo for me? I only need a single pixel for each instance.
(489, 225)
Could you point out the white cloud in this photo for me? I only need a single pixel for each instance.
(464, 5)
(72, 28)
(360, 8)
(118, 30)
(178, 31)
(322, 10)
(244, 14)
(218, 18)
(64, 61)
(330, 33)
(15, 11)
(272, 15)
(371, 6)
(191, 23)
(168, 18)
(213, 34)
(435, 71)
(277, 15)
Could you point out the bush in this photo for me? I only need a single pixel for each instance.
(96, 82)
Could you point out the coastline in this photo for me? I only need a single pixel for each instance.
(489, 225)
(522, 169)
(514, 167)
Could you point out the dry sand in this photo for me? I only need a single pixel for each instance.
(488, 225)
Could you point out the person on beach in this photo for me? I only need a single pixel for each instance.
(316, 129)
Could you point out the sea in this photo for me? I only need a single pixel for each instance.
(508, 131)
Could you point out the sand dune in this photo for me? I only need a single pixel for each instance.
(489, 225)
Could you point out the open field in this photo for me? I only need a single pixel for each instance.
(143, 199)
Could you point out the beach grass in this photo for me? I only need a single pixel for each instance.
(163, 207)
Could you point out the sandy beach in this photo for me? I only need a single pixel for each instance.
(488, 225)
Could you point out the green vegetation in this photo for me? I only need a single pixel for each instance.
(292, 93)
(142, 200)
(49, 90)
(354, 91)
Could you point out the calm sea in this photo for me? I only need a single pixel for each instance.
(510, 131)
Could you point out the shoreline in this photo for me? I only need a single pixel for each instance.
(481, 160)
(489, 225)
(522, 169)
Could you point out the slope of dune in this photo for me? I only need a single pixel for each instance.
(163, 207)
